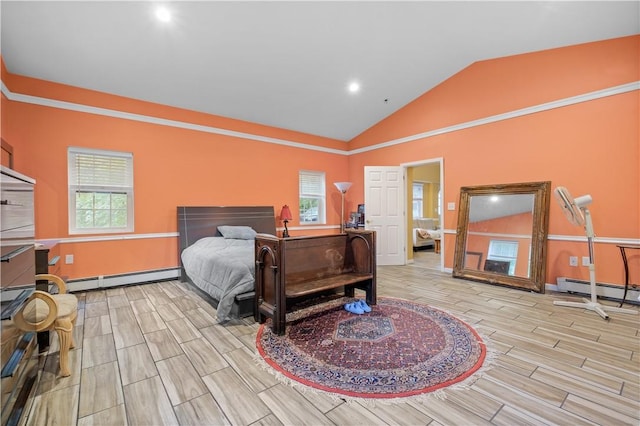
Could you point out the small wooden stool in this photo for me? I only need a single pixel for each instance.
(43, 311)
(437, 245)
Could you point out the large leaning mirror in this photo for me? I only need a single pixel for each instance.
(502, 234)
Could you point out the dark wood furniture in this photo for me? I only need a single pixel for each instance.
(623, 252)
(47, 262)
(497, 266)
(48, 258)
(196, 222)
(291, 268)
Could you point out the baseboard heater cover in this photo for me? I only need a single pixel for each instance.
(604, 291)
(141, 277)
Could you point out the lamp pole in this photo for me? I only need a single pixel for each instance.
(342, 213)
(343, 187)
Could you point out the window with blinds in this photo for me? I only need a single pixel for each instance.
(506, 251)
(418, 197)
(100, 191)
(312, 197)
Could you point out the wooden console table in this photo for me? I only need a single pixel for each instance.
(47, 262)
(623, 248)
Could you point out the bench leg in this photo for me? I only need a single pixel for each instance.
(277, 326)
(371, 294)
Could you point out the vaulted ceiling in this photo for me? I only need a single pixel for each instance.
(288, 64)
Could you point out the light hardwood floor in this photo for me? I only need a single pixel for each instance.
(153, 354)
(426, 259)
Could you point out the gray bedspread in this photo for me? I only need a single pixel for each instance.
(223, 268)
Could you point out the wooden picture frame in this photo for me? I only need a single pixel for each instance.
(470, 220)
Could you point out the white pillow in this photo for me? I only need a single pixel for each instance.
(237, 232)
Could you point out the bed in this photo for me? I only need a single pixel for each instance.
(222, 268)
(425, 233)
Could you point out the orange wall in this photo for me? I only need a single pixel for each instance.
(590, 147)
(172, 166)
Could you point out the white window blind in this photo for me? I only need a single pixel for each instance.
(418, 200)
(100, 191)
(100, 171)
(312, 197)
(506, 251)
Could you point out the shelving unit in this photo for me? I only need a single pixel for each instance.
(19, 367)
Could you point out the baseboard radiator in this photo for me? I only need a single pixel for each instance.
(604, 291)
(141, 277)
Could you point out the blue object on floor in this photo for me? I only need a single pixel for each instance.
(354, 308)
(363, 305)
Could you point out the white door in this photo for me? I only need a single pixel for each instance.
(384, 212)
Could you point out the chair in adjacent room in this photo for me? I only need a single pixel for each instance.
(44, 311)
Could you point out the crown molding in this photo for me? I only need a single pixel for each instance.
(52, 103)
(616, 90)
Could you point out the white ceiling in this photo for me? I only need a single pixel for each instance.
(486, 207)
(288, 64)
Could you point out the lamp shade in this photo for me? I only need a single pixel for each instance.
(285, 213)
(342, 186)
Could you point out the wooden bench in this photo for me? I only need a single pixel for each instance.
(288, 269)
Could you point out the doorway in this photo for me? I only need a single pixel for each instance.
(425, 242)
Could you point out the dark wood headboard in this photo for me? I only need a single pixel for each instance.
(195, 222)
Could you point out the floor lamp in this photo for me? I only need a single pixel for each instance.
(343, 187)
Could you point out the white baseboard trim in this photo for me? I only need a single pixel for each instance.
(94, 283)
(123, 279)
(608, 291)
(551, 287)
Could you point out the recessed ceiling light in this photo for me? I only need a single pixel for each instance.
(163, 14)
(354, 87)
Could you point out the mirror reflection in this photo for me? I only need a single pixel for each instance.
(501, 236)
(499, 233)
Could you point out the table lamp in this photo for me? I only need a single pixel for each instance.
(285, 216)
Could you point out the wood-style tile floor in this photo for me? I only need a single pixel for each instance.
(153, 354)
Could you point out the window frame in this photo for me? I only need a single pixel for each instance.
(493, 245)
(125, 186)
(418, 200)
(320, 196)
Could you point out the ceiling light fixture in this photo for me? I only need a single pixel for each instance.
(163, 14)
(354, 87)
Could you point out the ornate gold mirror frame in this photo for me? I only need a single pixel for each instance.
(502, 234)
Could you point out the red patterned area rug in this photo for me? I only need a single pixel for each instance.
(400, 349)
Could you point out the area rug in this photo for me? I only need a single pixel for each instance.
(400, 349)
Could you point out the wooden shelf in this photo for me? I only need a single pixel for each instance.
(11, 308)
